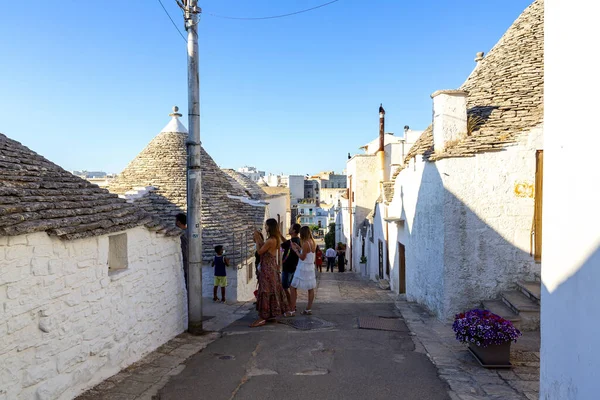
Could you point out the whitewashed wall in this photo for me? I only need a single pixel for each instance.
(467, 228)
(66, 324)
(419, 199)
(278, 205)
(364, 170)
(489, 205)
(378, 229)
(570, 355)
(239, 288)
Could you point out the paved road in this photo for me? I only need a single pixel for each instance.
(277, 361)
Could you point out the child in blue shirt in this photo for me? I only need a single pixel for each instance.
(219, 263)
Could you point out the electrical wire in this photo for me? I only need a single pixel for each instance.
(173, 22)
(274, 16)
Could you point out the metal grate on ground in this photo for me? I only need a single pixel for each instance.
(382, 324)
(306, 324)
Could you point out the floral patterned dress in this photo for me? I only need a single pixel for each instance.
(271, 301)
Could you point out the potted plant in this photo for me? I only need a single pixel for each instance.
(488, 335)
(363, 259)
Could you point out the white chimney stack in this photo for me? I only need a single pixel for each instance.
(449, 117)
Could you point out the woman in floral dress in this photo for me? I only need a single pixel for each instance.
(271, 301)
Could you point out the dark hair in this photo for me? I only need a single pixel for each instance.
(218, 249)
(273, 230)
(296, 228)
(181, 218)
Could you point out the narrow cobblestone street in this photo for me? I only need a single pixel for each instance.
(326, 356)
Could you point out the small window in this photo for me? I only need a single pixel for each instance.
(117, 252)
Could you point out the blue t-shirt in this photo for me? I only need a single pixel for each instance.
(220, 266)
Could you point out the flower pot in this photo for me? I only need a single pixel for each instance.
(493, 356)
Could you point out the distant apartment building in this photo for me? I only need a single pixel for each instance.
(296, 185)
(311, 189)
(252, 173)
(310, 214)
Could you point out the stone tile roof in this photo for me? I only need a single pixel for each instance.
(226, 220)
(505, 91)
(37, 195)
(247, 185)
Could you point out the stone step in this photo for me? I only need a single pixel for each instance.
(528, 310)
(531, 289)
(499, 308)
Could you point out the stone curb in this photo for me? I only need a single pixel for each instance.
(466, 379)
(143, 379)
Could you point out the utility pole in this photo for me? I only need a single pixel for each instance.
(194, 176)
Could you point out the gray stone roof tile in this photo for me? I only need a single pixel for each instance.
(163, 165)
(506, 91)
(37, 195)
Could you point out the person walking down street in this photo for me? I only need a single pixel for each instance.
(271, 301)
(304, 278)
(181, 223)
(319, 259)
(220, 262)
(341, 257)
(330, 254)
(289, 260)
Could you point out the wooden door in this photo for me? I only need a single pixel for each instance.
(537, 215)
(402, 267)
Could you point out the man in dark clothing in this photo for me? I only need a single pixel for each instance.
(289, 259)
(181, 223)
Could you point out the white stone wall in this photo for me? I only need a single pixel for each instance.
(364, 172)
(419, 199)
(570, 355)
(239, 288)
(489, 205)
(66, 324)
(278, 205)
(467, 226)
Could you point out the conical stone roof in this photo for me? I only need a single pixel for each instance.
(247, 185)
(505, 91)
(226, 219)
(37, 195)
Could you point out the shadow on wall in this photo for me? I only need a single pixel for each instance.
(569, 325)
(453, 258)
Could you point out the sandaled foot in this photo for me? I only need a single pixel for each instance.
(289, 314)
(215, 300)
(307, 312)
(257, 323)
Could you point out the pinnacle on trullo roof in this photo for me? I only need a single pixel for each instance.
(156, 181)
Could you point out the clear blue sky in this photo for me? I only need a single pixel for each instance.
(89, 84)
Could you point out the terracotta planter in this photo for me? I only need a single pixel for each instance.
(493, 356)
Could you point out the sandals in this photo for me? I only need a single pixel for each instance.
(258, 322)
(215, 300)
(289, 314)
(307, 312)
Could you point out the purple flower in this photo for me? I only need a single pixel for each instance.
(483, 328)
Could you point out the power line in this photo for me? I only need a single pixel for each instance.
(273, 16)
(173, 22)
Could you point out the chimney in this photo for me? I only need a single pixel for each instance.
(449, 117)
(479, 57)
(381, 127)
